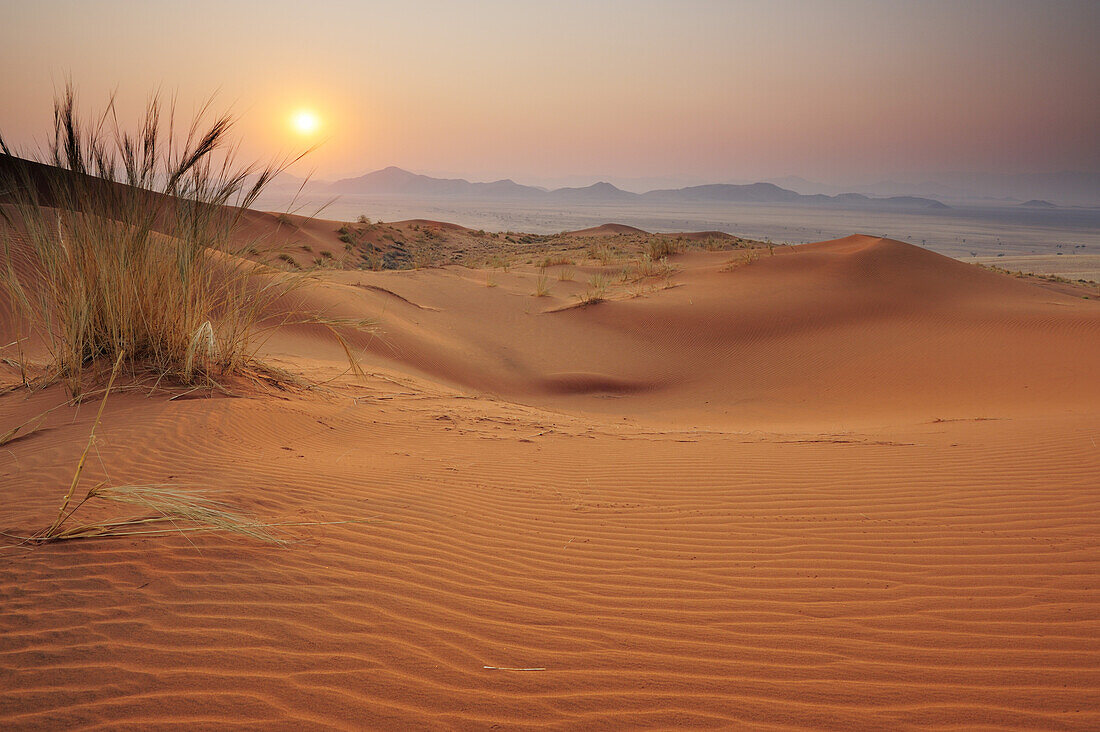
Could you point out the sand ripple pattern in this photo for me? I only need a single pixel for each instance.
(943, 577)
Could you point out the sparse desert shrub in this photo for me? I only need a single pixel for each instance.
(737, 262)
(422, 255)
(555, 260)
(565, 274)
(596, 292)
(662, 246)
(363, 220)
(647, 267)
(373, 260)
(542, 285)
(602, 253)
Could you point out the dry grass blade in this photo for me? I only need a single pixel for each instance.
(187, 510)
(61, 515)
(203, 346)
(22, 430)
(353, 362)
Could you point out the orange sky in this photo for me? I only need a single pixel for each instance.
(715, 91)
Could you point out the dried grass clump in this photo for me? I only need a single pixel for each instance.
(603, 254)
(648, 267)
(168, 509)
(553, 260)
(133, 247)
(542, 284)
(661, 246)
(596, 292)
(744, 260)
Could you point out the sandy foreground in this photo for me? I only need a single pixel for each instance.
(852, 484)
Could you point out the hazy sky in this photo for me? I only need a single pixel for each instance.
(537, 91)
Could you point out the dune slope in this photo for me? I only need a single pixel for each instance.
(837, 332)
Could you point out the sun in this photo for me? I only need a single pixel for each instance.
(305, 121)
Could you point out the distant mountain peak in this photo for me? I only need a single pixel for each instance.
(393, 180)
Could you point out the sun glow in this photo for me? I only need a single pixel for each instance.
(305, 122)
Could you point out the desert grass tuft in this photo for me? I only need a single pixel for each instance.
(596, 292)
(551, 260)
(659, 247)
(182, 509)
(353, 361)
(743, 261)
(603, 254)
(542, 284)
(648, 267)
(132, 245)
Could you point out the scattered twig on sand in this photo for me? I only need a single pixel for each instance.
(54, 529)
(26, 428)
(505, 668)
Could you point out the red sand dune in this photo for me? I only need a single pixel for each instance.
(623, 229)
(849, 485)
(855, 329)
(608, 230)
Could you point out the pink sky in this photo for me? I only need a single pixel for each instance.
(833, 91)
